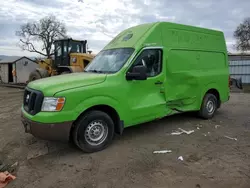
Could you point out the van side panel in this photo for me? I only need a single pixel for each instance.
(182, 81)
(189, 37)
(153, 37)
(196, 62)
(190, 73)
(192, 40)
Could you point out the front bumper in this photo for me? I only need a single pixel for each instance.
(47, 131)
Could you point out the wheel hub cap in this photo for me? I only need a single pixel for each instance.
(96, 133)
(210, 106)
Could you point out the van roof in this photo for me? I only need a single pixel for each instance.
(131, 36)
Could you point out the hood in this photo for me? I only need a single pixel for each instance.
(51, 85)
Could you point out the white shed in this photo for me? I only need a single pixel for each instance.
(22, 66)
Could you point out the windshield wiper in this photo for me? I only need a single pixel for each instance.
(96, 71)
(99, 71)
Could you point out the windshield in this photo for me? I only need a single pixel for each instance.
(74, 47)
(109, 61)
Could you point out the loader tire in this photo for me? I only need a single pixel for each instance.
(34, 76)
(66, 72)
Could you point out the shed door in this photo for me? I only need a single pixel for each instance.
(10, 74)
(4, 73)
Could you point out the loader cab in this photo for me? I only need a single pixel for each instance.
(63, 49)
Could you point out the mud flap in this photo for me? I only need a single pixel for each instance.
(236, 82)
(119, 128)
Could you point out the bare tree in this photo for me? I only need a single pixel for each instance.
(242, 35)
(45, 31)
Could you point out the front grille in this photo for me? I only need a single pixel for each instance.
(32, 101)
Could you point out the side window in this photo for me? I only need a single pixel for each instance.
(58, 51)
(152, 60)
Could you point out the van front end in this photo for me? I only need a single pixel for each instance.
(43, 116)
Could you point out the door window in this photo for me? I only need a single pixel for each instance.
(65, 51)
(58, 51)
(152, 60)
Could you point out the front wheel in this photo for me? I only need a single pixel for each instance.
(209, 106)
(94, 131)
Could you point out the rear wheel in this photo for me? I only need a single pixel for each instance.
(209, 106)
(93, 132)
(34, 76)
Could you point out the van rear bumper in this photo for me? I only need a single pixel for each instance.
(47, 131)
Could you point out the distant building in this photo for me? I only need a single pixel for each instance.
(16, 70)
(239, 64)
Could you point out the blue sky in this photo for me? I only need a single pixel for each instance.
(99, 20)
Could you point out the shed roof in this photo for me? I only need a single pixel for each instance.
(13, 59)
(239, 57)
(239, 54)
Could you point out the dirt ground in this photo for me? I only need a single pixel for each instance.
(210, 159)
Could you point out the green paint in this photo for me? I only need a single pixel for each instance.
(193, 60)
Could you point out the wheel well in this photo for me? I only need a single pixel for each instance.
(107, 109)
(63, 69)
(42, 72)
(215, 93)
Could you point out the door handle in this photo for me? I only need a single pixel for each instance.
(158, 83)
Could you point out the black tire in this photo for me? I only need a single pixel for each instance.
(84, 123)
(209, 106)
(34, 76)
(65, 72)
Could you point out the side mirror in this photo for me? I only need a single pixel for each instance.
(139, 72)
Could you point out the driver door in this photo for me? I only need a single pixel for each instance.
(146, 99)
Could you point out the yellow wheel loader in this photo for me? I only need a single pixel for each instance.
(70, 56)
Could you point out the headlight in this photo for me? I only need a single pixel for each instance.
(53, 104)
(73, 59)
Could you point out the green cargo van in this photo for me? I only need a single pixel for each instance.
(145, 73)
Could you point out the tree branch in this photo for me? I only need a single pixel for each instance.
(242, 35)
(46, 31)
(31, 47)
